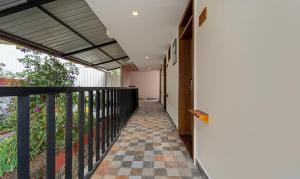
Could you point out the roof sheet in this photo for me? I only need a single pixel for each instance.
(111, 65)
(60, 26)
(10, 3)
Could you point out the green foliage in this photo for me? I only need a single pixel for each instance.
(8, 155)
(46, 71)
(40, 71)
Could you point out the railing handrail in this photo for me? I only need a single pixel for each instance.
(24, 91)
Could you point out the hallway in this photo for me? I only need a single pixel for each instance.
(149, 147)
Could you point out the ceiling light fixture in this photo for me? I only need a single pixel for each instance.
(147, 57)
(135, 13)
(108, 34)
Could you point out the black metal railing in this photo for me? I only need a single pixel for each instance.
(114, 106)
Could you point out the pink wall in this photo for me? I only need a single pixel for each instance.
(147, 82)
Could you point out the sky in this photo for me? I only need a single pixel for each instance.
(9, 55)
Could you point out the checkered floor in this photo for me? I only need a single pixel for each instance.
(148, 148)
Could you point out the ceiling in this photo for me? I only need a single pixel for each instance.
(148, 34)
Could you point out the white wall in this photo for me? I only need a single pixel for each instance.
(108, 79)
(248, 80)
(125, 78)
(89, 77)
(172, 88)
(116, 80)
(9, 56)
(113, 79)
(147, 82)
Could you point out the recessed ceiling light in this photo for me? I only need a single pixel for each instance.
(147, 57)
(135, 13)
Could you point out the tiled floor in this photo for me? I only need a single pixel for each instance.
(148, 148)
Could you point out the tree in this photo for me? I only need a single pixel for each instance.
(46, 71)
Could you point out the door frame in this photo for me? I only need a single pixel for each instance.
(186, 74)
(165, 84)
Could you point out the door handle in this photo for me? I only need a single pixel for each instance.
(191, 85)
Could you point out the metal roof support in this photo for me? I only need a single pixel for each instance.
(97, 64)
(114, 68)
(64, 24)
(71, 29)
(23, 7)
(91, 48)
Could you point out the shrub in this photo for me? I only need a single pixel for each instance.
(8, 155)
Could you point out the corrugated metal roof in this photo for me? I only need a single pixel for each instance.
(111, 65)
(94, 56)
(124, 62)
(114, 50)
(62, 26)
(33, 21)
(10, 3)
(78, 15)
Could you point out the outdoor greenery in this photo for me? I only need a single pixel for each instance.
(8, 158)
(46, 71)
(40, 71)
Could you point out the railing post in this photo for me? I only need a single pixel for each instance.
(81, 109)
(137, 98)
(103, 122)
(23, 132)
(107, 119)
(115, 113)
(118, 110)
(97, 125)
(111, 115)
(128, 105)
(68, 136)
(90, 132)
(50, 156)
(123, 107)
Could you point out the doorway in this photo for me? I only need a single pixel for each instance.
(186, 78)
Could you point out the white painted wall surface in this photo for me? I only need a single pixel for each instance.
(248, 80)
(9, 56)
(172, 88)
(113, 79)
(125, 78)
(89, 77)
(116, 80)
